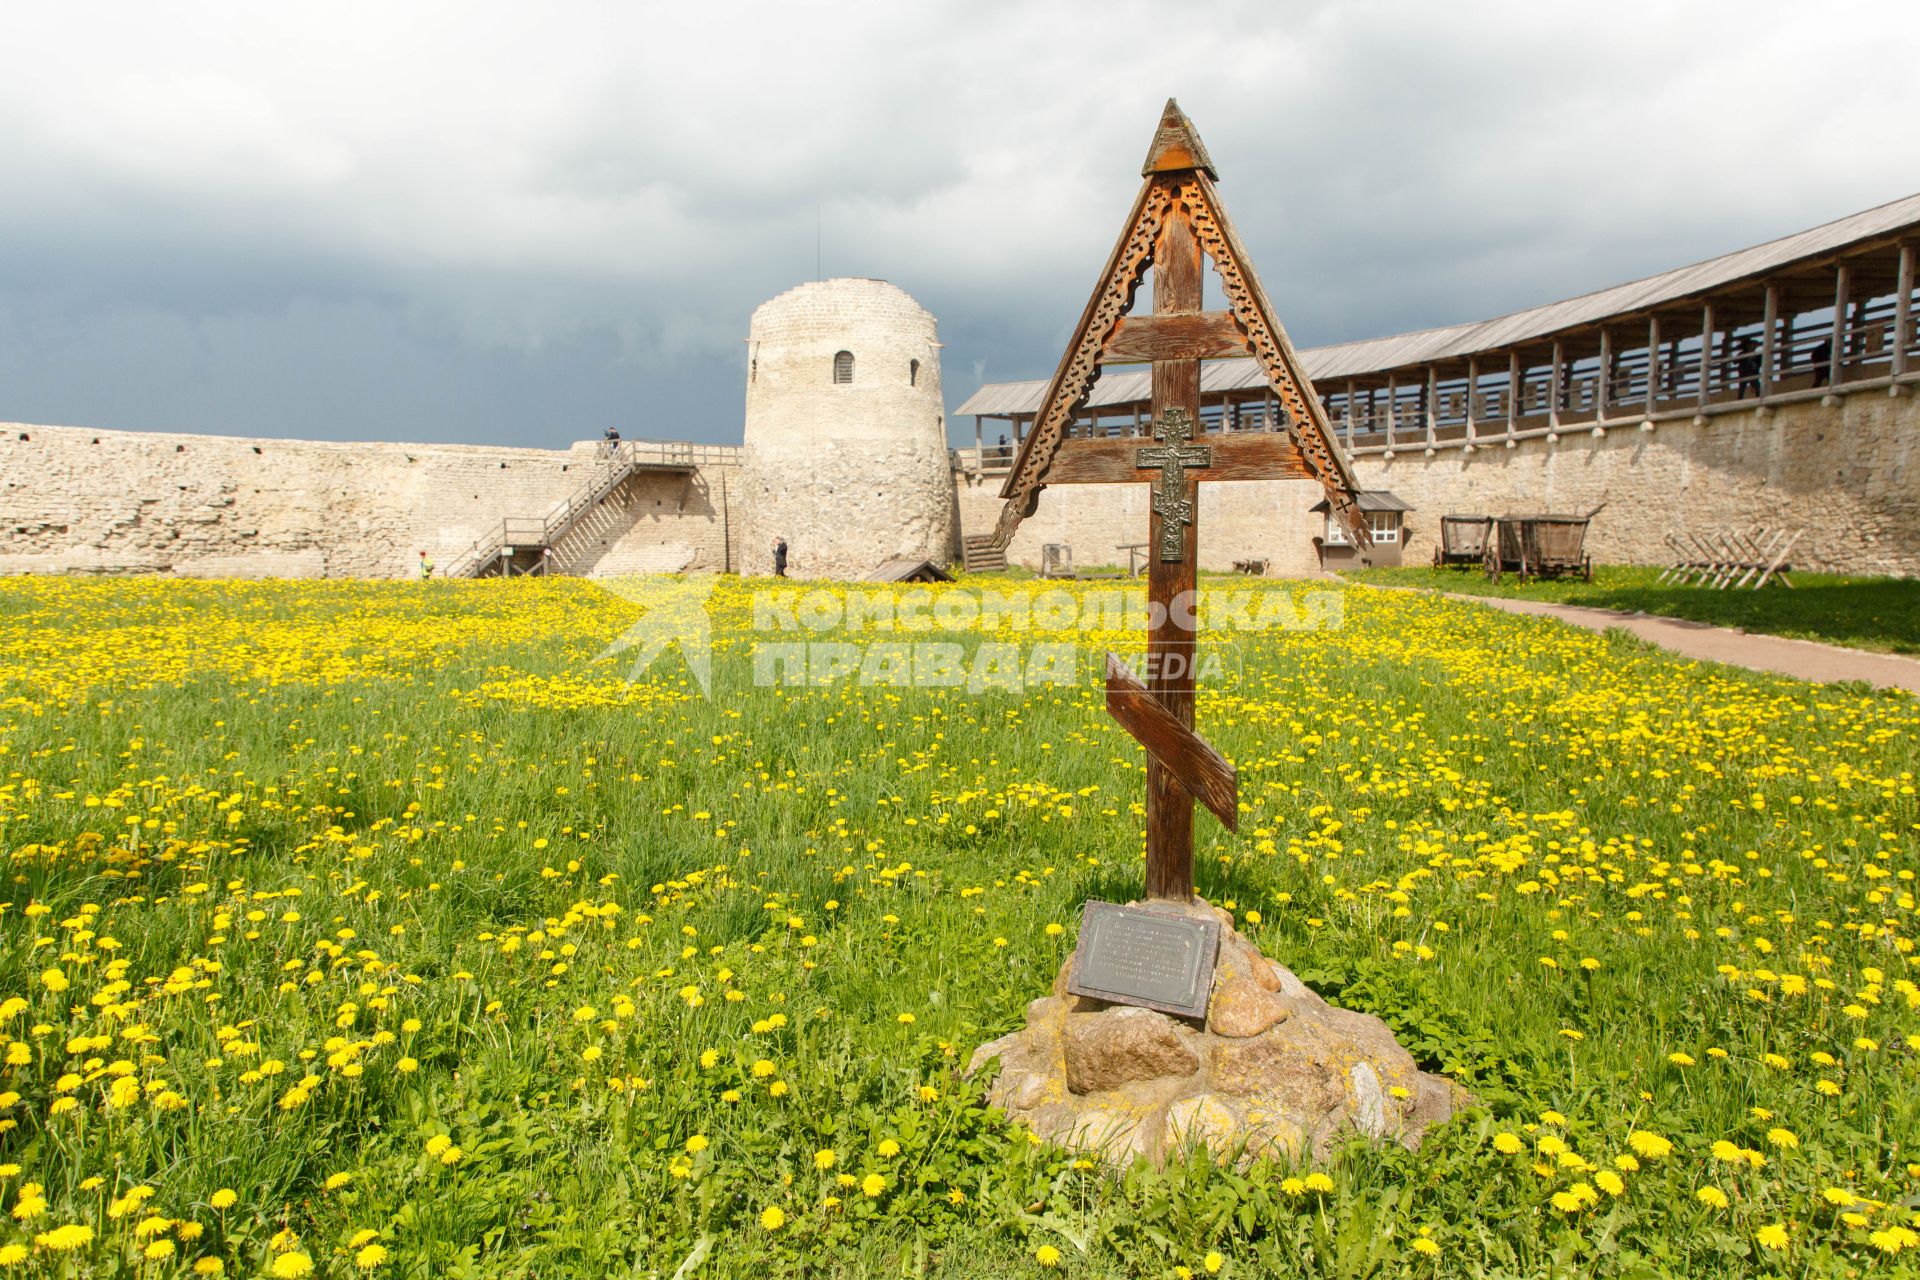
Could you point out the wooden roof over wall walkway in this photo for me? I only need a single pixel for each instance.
(1373, 356)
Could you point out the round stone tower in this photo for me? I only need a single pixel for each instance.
(846, 446)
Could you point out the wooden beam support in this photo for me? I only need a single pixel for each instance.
(1903, 311)
(1513, 392)
(1842, 288)
(1653, 363)
(1557, 387)
(1770, 340)
(1433, 406)
(1603, 388)
(1205, 335)
(1706, 351)
(1473, 390)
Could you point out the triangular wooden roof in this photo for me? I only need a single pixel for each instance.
(909, 571)
(1179, 177)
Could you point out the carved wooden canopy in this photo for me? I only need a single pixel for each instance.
(1178, 187)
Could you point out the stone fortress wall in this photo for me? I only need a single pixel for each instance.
(1847, 472)
(76, 500)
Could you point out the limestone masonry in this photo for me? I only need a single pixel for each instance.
(1270, 1069)
(846, 443)
(845, 456)
(81, 501)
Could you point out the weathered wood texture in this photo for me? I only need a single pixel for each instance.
(1202, 772)
(1177, 288)
(1176, 147)
(1209, 335)
(1254, 455)
(1178, 191)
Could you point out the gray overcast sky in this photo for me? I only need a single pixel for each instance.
(513, 223)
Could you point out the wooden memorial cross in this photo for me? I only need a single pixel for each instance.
(1176, 223)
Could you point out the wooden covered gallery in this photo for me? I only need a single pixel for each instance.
(1795, 318)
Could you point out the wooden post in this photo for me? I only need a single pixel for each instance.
(1513, 392)
(1393, 414)
(1653, 363)
(1473, 389)
(1903, 312)
(1352, 401)
(1706, 351)
(1556, 388)
(1177, 289)
(1769, 342)
(1605, 386)
(977, 461)
(1842, 284)
(1433, 408)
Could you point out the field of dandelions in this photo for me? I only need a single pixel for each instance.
(359, 929)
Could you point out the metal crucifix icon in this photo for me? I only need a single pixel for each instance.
(1173, 456)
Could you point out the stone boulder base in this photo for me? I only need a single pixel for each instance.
(1274, 1069)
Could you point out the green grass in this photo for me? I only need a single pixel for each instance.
(342, 877)
(1877, 614)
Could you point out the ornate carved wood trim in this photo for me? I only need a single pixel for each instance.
(1073, 380)
(1306, 417)
(1179, 185)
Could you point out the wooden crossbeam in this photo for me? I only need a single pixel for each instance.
(1251, 455)
(1202, 772)
(1200, 335)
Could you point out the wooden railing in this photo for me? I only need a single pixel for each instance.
(612, 466)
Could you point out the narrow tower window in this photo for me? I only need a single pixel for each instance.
(913, 373)
(843, 366)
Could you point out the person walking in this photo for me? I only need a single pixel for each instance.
(426, 567)
(779, 557)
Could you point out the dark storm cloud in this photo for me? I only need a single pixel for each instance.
(493, 223)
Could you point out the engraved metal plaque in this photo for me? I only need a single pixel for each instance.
(1158, 959)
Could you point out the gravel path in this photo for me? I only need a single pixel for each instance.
(1805, 659)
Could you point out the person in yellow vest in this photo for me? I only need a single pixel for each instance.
(426, 567)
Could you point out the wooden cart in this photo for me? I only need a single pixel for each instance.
(1463, 541)
(1545, 546)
